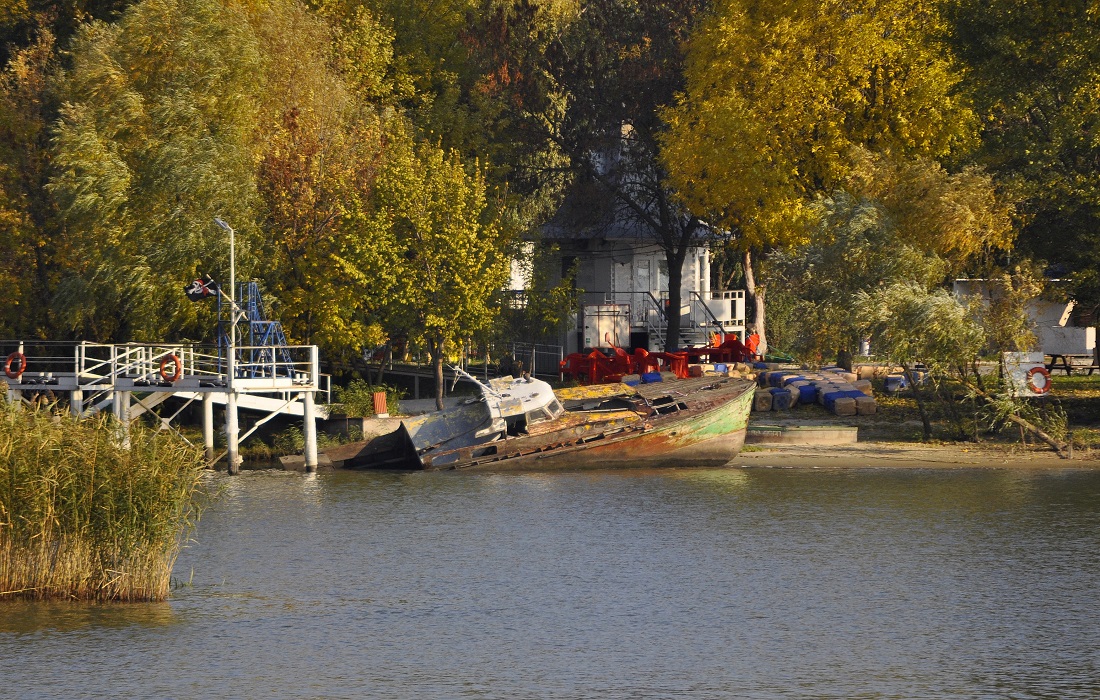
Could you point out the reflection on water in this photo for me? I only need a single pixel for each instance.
(673, 583)
(21, 617)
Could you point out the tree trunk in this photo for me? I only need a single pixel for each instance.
(385, 358)
(755, 294)
(436, 349)
(926, 423)
(675, 260)
(1063, 451)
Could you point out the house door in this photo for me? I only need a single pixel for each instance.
(621, 282)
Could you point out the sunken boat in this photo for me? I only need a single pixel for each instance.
(523, 424)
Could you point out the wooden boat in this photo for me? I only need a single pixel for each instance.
(521, 424)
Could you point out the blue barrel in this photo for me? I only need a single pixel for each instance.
(721, 368)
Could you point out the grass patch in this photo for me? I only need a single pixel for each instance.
(81, 516)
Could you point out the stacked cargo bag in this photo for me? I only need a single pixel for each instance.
(762, 401)
(807, 393)
(866, 406)
(775, 379)
(791, 379)
(829, 395)
(824, 391)
(781, 399)
(844, 406)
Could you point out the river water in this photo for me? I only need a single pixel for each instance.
(723, 583)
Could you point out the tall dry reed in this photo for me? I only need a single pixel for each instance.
(81, 516)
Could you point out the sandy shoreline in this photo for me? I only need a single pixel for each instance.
(908, 456)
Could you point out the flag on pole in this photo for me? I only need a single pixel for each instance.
(200, 288)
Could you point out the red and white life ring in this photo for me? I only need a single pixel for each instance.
(177, 366)
(1042, 386)
(15, 356)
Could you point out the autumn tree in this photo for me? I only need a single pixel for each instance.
(778, 95)
(891, 223)
(32, 255)
(322, 116)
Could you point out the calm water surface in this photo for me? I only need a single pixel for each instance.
(659, 584)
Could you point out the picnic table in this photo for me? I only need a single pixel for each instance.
(1065, 362)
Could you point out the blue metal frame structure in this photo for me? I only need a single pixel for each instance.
(264, 338)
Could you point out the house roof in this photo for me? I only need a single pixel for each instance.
(591, 214)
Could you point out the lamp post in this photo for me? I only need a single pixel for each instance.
(231, 430)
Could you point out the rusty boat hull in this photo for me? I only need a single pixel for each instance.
(710, 432)
(695, 423)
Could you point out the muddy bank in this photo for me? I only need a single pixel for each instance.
(909, 455)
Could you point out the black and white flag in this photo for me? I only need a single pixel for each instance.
(200, 289)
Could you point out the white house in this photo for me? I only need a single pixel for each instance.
(623, 275)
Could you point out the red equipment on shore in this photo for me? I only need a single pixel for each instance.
(611, 364)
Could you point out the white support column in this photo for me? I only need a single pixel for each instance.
(76, 398)
(122, 413)
(232, 432)
(208, 426)
(309, 420)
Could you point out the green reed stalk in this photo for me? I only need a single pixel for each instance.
(81, 517)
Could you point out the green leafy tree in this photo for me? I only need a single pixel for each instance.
(908, 221)
(453, 251)
(156, 138)
(1035, 81)
(913, 325)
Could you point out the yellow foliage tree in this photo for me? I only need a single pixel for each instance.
(779, 94)
(452, 248)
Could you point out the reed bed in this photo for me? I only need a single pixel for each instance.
(83, 517)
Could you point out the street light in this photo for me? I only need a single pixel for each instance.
(230, 365)
(232, 301)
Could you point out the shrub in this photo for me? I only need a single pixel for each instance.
(83, 517)
(358, 398)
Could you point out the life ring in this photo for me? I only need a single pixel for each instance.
(1031, 380)
(22, 365)
(178, 367)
